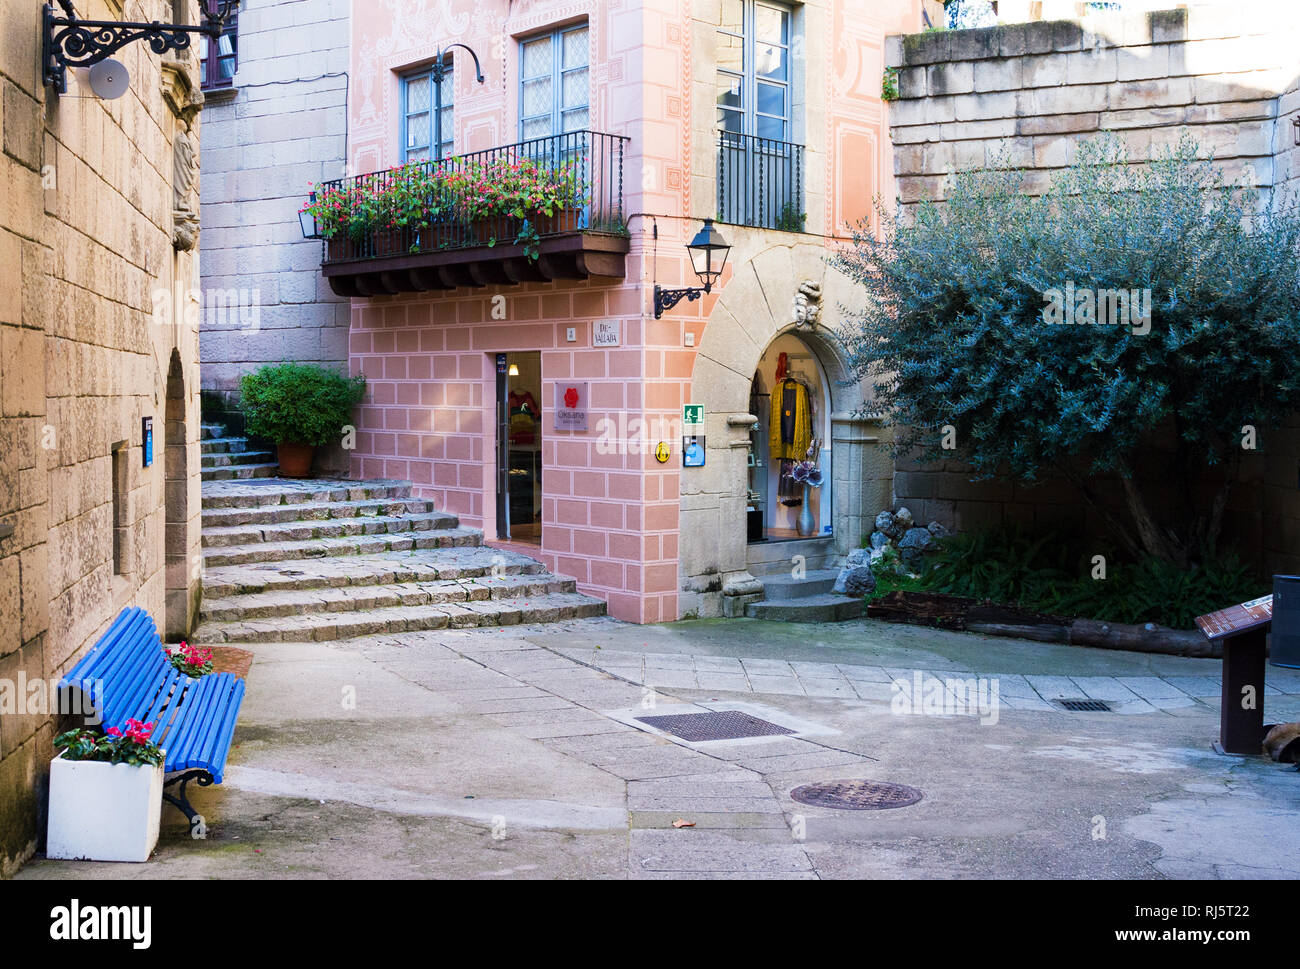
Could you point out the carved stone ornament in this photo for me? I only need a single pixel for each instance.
(807, 310)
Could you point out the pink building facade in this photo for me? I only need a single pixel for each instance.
(765, 116)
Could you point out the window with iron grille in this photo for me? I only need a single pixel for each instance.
(555, 84)
(221, 56)
(428, 129)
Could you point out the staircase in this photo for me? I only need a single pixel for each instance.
(805, 599)
(228, 458)
(295, 561)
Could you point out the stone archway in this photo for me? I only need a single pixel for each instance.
(182, 598)
(757, 305)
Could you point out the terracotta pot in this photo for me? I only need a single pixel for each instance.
(338, 248)
(564, 220)
(295, 459)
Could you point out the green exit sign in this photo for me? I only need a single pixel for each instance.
(693, 414)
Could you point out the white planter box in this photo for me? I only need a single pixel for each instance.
(103, 812)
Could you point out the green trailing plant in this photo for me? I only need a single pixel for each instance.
(299, 403)
(131, 746)
(889, 84)
(957, 336)
(791, 219)
(1051, 574)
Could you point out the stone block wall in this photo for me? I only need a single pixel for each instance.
(281, 127)
(1030, 93)
(87, 247)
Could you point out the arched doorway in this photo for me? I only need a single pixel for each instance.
(181, 606)
(790, 395)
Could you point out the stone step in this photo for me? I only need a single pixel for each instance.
(421, 565)
(240, 473)
(330, 626)
(315, 511)
(337, 547)
(284, 491)
(229, 459)
(818, 608)
(209, 431)
(309, 602)
(224, 445)
(816, 583)
(227, 536)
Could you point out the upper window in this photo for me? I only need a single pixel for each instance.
(555, 93)
(428, 129)
(754, 69)
(221, 56)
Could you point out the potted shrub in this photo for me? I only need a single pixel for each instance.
(105, 794)
(299, 407)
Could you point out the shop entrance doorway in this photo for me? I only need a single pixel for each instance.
(790, 396)
(519, 447)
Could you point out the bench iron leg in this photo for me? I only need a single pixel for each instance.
(203, 778)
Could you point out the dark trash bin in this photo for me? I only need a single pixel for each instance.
(1284, 647)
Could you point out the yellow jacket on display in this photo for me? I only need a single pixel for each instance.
(798, 424)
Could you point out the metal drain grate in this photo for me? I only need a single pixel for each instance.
(1086, 706)
(714, 725)
(857, 795)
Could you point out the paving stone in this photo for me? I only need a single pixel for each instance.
(781, 685)
(1054, 687)
(702, 819)
(670, 678)
(718, 664)
(1103, 688)
(817, 671)
(726, 682)
(713, 805)
(797, 762)
(691, 850)
(1151, 687)
(767, 667)
(828, 687)
(871, 674)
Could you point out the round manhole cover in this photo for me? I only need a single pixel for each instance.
(857, 795)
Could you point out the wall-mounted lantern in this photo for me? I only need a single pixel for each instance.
(310, 230)
(73, 42)
(708, 257)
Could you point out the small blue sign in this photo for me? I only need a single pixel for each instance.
(146, 434)
(693, 452)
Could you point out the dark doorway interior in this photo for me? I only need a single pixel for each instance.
(519, 435)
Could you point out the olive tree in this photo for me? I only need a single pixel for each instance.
(994, 332)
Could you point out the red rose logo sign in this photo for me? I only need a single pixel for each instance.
(571, 407)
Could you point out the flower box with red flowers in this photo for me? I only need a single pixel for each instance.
(106, 794)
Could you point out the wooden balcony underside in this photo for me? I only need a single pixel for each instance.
(578, 255)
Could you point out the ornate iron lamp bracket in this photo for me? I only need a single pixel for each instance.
(73, 42)
(666, 299)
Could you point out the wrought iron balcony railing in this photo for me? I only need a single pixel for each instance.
(588, 163)
(760, 182)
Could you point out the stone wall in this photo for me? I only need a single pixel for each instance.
(90, 195)
(281, 127)
(1031, 92)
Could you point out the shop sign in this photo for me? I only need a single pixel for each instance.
(570, 406)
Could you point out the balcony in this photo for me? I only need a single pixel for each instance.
(438, 225)
(760, 182)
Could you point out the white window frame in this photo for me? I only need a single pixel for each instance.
(558, 72)
(748, 76)
(434, 146)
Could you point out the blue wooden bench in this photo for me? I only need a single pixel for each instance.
(127, 676)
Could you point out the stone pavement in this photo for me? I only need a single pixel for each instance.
(519, 752)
